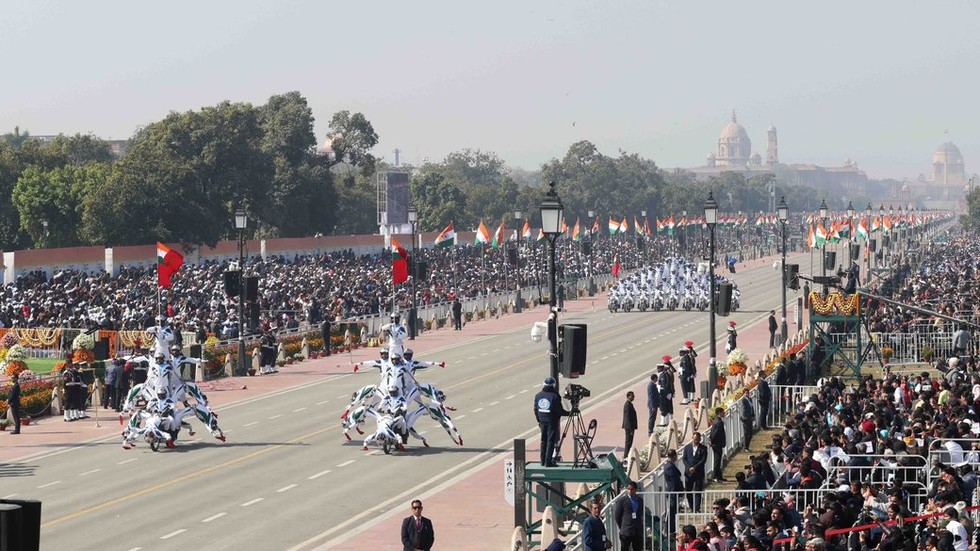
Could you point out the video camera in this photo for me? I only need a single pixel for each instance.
(574, 394)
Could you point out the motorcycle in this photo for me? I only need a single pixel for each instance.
(613, 304)
(387, 433)
(688, 302)
(627, 304)
(642, 303)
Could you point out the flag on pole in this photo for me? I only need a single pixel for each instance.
(862, 230)
(482, 235)
(811, 238)
(670, 225)
(660, 225)
(646, 226)
(168, 262)
(624, 226)
(613, 226)
(564, 226)
(821, 235)
(637, 226)
(447, 238)
(526, 231)
(540, 235)
(595, 226)
(399, 262)
(615, 268)
(576, 236)
(498, 237)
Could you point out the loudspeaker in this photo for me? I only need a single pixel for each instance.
(252, 288)
(512, 256)
(197, 351)
(793, 276)
(724, 305)
(572, 346)
(423, 270)
(640, 243)
(874, 245)
(587, 248)
(101, 349)
(885, 241)
(253, 315)
(855, 251)
(233, 283)
(830, 259)
(21, 520)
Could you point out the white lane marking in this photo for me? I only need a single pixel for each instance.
(425, 431)
(174, 533)
(8, 497)
(127, 461)
(495, 350)
(250, 424)
(323, 402)
(136, 549)
(90, 472)
(49, 484)
(523, 391)
(477, 410)
(484, 354)
(317, 475)
(461, 416)
(471, 358)
(253, 502)
(214, 517)
(345, 463)
(604, 358)
(494, 403)
(286, 488)
(508, 347)
(342, 396)
(616, 353)
(276, 416)
(298, 410)
(510, 397)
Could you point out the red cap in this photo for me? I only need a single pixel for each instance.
(689, 344)
(667, 359)
(731, 324)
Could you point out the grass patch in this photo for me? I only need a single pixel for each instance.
(42, 365)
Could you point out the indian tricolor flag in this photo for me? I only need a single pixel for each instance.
(820, 236)
(541, 236)
(526, 232)
(613, 226)
(482, 235)
(811, 238)
(399, 262)
(168, 262)
(576, 234)
(624, 226)
(447, 238)
(498, 237)
(862, 230)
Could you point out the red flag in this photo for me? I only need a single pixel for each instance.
(399, 262)
(168, 262)
(616, 266)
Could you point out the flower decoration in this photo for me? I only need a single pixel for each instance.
(8, 340)
(846, 305)
(83, 341)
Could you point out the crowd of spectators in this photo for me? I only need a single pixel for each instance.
(309, 288)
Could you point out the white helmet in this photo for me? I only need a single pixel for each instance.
(393, 389)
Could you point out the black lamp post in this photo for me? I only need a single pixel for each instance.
(711, 218)
(684, 218)
(552, 215)
(850, 232)
(823, 252)
(783, 212)
(646, 248)
(592, 287)
(241, 222)
(518, 300)
(413, 218)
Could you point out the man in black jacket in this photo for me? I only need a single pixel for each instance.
(628, 513)
(773, 326)
(673, 485)
(629, 422)
(653, 403)
(717, 439)
(548, 410)
(13, 400)
(695, 457)
(417, 531)
(765, 398)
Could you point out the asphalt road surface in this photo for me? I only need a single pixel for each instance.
(286, 475)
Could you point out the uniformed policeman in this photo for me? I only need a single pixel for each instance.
(548, 410)
(74, 392)
(665, 380)
(687, 375)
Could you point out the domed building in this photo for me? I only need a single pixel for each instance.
(947, 165)
(947, 185)
(734, 145)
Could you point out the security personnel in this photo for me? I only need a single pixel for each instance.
(665, 380)
(687, 375)
(268, 346)
(74, 392)
(548, 410)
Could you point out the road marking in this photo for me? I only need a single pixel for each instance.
(49, 484)
(8, 497)
(494, 403)
(298, 410)
(615, 354)
(477, 410)
(317, 475)
(127, 461)
(510, 397)
(523, 391)
(253, 502)
(604, 358)
(213, 517)
(461, 416)
(276, 416)
(471, 358)
(323, 402)
(484, 354)
(136, 549)
(341, 396)
(286, 488)
(250, 424)
(345, 463)
(174, 533)
(90, 472)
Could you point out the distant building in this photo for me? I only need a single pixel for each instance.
(734, 154)
(947, 185)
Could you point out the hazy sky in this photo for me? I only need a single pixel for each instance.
(877, 81)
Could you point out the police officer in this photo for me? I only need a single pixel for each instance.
(74, 392)
(268, 346)
(687, 375)
(665, 380)
(548, 410)
(457, 314)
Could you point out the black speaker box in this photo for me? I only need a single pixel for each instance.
(101, 349)
(512, 256)
(252, 288)
(233, 282)
(724, 305)
(830, 260)
(572, 341)
(253, 315)
(855, 251)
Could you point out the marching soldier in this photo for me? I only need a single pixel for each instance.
(74, 392)
(665, 380)
(268, 345)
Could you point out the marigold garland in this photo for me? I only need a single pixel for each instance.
(846, 305)
(37, 337)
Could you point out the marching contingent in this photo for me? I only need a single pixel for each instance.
(675, 284)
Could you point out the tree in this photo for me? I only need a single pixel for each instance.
(56, 198)
(352, 138)
(11, 165)
(438, 201)
(16, 138)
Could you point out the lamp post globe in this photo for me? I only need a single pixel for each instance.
(241, 223)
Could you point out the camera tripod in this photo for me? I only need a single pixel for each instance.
(581, 438)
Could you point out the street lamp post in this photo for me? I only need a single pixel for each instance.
(241, 222)
(44, 243)
(850, 232)
(413, 218)
(646, 249)
(518, 302)
(684, 218)
(592, 288)
(867, 251)
(823, 252)
(711, 218)
(783, 212)
(552, 214)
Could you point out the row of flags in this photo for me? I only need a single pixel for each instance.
(840, 227)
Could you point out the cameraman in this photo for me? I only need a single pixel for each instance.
(548, 410)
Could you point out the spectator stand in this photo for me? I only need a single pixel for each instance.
(835, 321)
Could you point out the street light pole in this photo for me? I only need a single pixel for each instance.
(413, 217)
(850, 232)
(646, 248)
(552, 214)
(518, 302)
(823, 252)
(592, 288)
(867, 250)
(711, 218)
(241, 222)
(783, 211)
